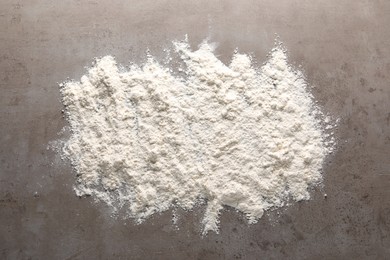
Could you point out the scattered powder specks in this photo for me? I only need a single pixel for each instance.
(146, 139)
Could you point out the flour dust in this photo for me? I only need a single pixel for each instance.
(146, 140)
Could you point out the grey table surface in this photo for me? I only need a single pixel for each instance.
(344, 49)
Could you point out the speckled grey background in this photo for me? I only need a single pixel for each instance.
(344, 48)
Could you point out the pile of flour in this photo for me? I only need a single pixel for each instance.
(147, 138)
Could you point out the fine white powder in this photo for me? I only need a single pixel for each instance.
(147, 139)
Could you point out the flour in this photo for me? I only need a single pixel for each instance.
(146, 139)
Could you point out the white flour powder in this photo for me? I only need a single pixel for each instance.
(233, 135)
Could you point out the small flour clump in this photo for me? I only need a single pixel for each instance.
(146, 139)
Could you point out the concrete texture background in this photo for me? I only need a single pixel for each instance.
(344, 48)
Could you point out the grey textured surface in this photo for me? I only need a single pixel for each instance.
(344, 48)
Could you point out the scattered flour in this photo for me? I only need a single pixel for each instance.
(146, 139)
